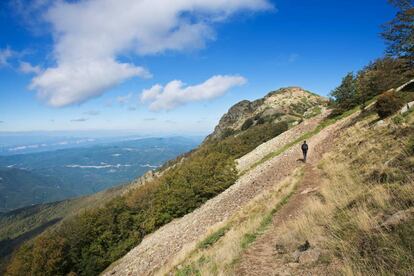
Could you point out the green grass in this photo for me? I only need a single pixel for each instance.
(213, 238)
(188, 270)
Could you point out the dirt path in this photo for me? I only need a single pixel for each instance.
(161, 246)
(259, 258)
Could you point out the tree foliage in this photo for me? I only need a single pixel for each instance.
(345, 93)
(374, 79)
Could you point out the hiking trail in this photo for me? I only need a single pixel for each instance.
(160, 247)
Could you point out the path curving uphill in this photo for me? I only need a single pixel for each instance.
(160, 247)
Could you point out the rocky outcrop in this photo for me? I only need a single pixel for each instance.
(286, 104)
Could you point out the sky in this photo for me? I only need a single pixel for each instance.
(159, 67)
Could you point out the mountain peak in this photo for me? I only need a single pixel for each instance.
(290, 104)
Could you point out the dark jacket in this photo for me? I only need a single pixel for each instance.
(304, 147)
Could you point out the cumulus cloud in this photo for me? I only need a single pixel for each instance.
(78, 81)
(176, 93)
(28, 68)
(91, 36)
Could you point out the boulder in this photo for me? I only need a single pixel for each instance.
(309, 256)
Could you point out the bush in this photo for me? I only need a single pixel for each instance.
(387, 104)
(247, 124)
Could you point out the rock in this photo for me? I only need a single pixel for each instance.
(380, 123)
(309, 256)
(407, 107)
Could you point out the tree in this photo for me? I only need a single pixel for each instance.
(399, 32)
(345, 94)
(380, 76)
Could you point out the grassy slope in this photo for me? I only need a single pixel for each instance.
(362, 189)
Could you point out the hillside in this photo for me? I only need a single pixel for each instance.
(183, 186)
(19, 187)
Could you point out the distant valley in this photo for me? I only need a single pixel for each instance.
(27, 179)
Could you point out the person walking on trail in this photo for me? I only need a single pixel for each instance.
(304, 150)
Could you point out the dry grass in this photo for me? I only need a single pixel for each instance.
(361, 189)
(219, 257)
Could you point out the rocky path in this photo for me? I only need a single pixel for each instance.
(262, 258)
(161, 246)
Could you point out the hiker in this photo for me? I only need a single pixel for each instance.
(304, 150)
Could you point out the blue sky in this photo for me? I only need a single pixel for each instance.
(161, 67)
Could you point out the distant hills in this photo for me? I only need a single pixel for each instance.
(33, 178)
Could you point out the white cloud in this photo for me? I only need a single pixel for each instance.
(91, 36)
(76, 82)
(27, 68)
(175, 93)
(5, 55)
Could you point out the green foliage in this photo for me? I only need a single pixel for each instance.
(248, 123)
(188, 271)
(387, 104)
(87, 243)
(213, 238)
(228, 132)
(248, 239)
(345, 93)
